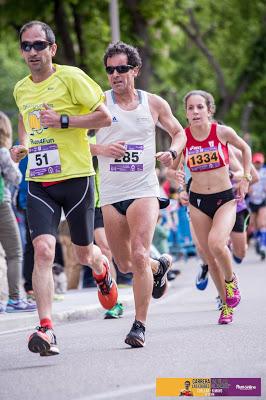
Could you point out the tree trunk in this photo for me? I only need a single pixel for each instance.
(63, 29)
(246, 116)
(141, 31)
(78, 26)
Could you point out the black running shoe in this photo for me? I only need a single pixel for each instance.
(202, 277)
(43, 341)
(136, 336)
(262, 253)
(257, 246)
(160, 279)
(172, 274)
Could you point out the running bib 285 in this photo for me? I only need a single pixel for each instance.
(131, 161)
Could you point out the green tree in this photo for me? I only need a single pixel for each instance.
(185, 44)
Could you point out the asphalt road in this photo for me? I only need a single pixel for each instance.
(183, 339)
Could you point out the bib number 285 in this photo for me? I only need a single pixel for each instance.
(132, 156)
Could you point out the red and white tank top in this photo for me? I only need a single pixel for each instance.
(206, 154)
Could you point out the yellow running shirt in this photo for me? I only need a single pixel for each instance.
(57, 154)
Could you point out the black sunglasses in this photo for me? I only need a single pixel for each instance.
(121, 69)
(39, 45)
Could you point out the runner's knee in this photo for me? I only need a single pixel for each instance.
(140, 259)
(124, 266)
(216, 246)
(44, 252)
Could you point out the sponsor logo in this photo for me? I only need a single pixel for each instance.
(211, 387)
(195, 148)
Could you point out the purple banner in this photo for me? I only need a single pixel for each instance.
(236, 387)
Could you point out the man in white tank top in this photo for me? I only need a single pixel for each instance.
(129, 185)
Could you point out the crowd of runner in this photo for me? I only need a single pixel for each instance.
(131, 219)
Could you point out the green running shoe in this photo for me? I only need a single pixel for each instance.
(115, 312)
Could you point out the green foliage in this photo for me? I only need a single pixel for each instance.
(216, 46)
(12, 69)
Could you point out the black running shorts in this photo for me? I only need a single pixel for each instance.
(255, 207)
(98, 218)
(122, 206)
(74, 196)
(242, 221)
(210, 203)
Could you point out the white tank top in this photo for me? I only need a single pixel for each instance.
(134, 175)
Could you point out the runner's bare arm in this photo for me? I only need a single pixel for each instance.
(20, 151)
(235, 164)
(235, 157)
(113, 150)
(95, 120)
(22, 135)
(228, 135)
(161, 109)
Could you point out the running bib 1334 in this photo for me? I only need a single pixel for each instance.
(203, 159)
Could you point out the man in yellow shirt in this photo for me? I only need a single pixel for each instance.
(57, 105)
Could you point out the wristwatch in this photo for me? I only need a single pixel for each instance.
(64, 120)
(248, 177)
(173, 153)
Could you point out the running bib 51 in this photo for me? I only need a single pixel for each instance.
(131, 161)
(44, 160)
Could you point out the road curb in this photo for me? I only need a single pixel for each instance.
(26, 321)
